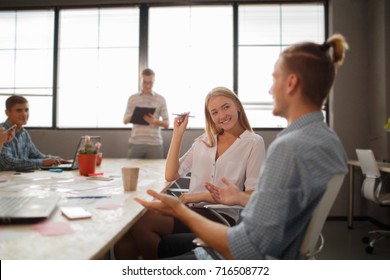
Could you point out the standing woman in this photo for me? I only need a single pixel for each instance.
(228, 151)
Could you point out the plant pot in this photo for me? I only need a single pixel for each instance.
(87, 163)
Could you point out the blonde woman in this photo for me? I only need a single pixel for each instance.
(228, 151)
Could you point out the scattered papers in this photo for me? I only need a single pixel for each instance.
(53, 228)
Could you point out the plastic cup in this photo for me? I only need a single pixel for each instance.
(130, 178)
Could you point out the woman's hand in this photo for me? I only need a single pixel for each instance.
(230, 195)
(180, 123)
(191, 197)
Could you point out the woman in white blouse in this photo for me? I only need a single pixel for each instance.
(228, 150)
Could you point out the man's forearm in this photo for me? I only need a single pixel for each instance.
(244, 197)
(126, 119)
(212, 233)
(163, 123)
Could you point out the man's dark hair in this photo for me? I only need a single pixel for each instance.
(13, 100)
(147, 72)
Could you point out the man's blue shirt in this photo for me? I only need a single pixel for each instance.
(20, 153)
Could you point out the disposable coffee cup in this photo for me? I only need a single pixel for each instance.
(130, 178)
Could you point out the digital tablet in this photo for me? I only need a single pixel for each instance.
(139, 113)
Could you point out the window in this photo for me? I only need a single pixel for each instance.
(191, 51)
(264, 30)
(26, 55)
(98, 66)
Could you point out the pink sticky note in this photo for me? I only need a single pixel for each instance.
(53, 228)
(109, 206)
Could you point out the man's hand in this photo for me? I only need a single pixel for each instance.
(7, 135)
(164, 204)
(150, 119)
(230, 195)
(51, 161)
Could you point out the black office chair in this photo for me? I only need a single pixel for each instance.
(180, 243)
(177, 244)
(371, 190)
(179, 186)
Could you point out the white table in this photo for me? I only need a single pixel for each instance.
(92, 238)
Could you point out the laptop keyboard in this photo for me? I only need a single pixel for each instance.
(11, 204)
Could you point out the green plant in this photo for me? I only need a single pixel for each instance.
(387, 126)
(89, 147)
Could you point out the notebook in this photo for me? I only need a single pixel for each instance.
(26, 209)
(74, 164)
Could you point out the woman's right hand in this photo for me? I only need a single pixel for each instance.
(180, 122)
(186, 198)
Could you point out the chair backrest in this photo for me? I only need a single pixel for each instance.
(368, 163)
(372, 184)
(308, 247)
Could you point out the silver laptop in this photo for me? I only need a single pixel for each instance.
(26, 209)
(74, 164)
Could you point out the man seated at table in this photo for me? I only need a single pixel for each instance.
(20, 153)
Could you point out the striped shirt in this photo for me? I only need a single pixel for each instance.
(20, 153)
(147, 134)
(298, 165)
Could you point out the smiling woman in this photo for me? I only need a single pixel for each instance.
(211, 158)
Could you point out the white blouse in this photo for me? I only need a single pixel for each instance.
(240, 163)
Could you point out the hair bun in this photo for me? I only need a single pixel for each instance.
(325, 46)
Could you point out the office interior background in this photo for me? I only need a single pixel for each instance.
(358, 107)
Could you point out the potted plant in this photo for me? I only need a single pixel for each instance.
(87, 155)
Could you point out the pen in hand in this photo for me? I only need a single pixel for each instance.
(182, 115)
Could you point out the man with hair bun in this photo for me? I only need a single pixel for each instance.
(298, 164)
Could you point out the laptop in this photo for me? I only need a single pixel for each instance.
(73, 165)
(26, 209)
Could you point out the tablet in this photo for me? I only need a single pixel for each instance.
(139, 113)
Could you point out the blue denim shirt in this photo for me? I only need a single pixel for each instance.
(20, 153)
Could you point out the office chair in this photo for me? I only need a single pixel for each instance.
(182, 184)
(179, 186)
(371, 190)
(179, 243)
(309, 248)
